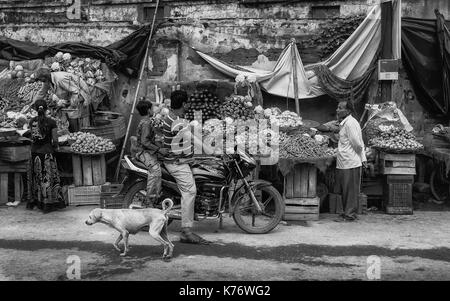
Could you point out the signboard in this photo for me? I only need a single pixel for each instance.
(387, 69)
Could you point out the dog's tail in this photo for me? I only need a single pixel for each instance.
(167, 204)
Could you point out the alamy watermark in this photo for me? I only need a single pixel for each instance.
(73, 271)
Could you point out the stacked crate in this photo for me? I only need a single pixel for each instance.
(301, 201)
(399, 171)
(89, 174)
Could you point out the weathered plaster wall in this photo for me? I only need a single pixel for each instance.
(244, 34)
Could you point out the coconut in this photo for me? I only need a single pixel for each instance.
(164, 111)
(13, 74)
(18, 68)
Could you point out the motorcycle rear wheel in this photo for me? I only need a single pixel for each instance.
(244, 213)
(138, 191)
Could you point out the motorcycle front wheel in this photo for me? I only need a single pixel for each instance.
(249, 220)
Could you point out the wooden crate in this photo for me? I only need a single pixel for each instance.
(84, 195)
(4, 185)
(301, 182)
(397, 164)
(15, 153)
(302, 209)
(88, 170)
(110, 197)
(398, 194)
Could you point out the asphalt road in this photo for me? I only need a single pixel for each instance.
(58, 246)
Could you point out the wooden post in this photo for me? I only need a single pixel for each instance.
(294, 75)
(4, 188)
(97, 173)
(144, 63)
(77, 171)
(103, 167)
(87, 170)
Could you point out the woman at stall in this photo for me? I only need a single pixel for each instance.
(46, 190)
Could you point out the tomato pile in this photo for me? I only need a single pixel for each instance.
(203, 101)
(89, 143)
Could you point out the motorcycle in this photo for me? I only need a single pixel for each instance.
(256, 206)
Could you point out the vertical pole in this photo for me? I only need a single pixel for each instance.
(144, 63)
(386, 52)
(294, 74)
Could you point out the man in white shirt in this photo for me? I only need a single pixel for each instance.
(350, 157)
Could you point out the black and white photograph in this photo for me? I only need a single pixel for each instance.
(221, 147)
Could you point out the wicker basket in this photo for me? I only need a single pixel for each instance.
(114, 131)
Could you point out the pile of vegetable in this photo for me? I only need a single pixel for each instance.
(203, 101)
(89, 143)
(395, 139)
(303, 147)
(237, 107)
(286, 119)
(87, 68)
(16, 119)
(9, 92)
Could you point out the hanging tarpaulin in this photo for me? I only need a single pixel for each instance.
(443, 35)
(422, 58)
(350, 65)
(279, 81)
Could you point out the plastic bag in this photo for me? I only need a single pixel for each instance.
(389, 112)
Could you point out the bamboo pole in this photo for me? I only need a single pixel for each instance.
(294, 74)
(144, 63)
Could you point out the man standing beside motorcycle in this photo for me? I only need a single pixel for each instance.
(179, 141)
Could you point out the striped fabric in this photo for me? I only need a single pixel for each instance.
(173, 128)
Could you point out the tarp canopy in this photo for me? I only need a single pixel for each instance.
(124, 55)
(350, 62)
(426, 56)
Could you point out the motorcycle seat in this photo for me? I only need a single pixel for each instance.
(138, 163)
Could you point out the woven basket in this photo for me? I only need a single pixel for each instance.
(114, 131)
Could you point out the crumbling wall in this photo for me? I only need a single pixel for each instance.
(248, 33)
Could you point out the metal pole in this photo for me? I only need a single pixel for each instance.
(144, 63)
(294, 67)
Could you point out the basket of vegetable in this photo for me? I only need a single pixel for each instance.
(90, 144)
(396, 140)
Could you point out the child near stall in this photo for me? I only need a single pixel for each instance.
(147, 150)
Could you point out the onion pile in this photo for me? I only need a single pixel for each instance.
(89, 143)
(396, 139)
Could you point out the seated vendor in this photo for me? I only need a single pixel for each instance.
(148, 150)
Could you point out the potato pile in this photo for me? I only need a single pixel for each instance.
(237, 107)
(303, 147)
(89, 143)
(396, 139)
(203, 101)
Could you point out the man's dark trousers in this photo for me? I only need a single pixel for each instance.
(350, 183)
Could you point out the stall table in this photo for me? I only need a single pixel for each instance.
(88, 169)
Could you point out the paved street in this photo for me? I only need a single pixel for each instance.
(34, 246)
